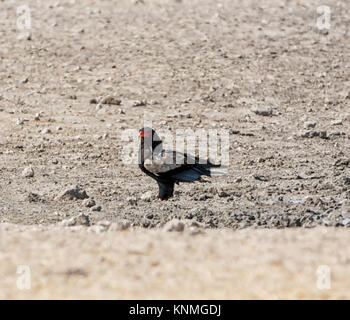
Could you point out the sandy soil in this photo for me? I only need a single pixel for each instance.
(150, 264)
(191, 64)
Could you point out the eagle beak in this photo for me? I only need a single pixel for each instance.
(143, 134)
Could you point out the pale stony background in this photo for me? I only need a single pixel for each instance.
(260, 69)
(151, 264)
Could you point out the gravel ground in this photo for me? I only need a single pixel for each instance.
(88, 70)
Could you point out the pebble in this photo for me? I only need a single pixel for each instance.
(346, 222)
(193, 231)
(75, 192)
(28, 172)
(346, 209)
(336, 134)
(97, 229)
(96, 208)
(46, 131)
(120, 225)
(110, 100)
(79, 220)
(25, 36)
(89, 203)
(312, 134)
(139, 103)
(263, 111)
(149, 216)
(337, 123)
(132, 200)
(174, 225)
(310, 125)
(104, 223)
(68, 222)
(147, 196)
(203, 197)
(19, 122)
(223, 194)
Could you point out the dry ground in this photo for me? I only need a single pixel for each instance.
(192, 64)
(151, 264)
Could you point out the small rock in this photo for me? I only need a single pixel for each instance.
(337, 123)
(223, 194)
(149, 216)
(323, 134)
(79, 220)
(19, 122)
(74, 193)
(260, 177)
(312, 134)
(346, 180)
(110, 100)
(28, 172)
(76, 228)
(139, 103)
(82, 220)
(145, 223)
(68, 222)
(120, 225)
(89, 203)
(346, 209)
(25, 36)
(98, 107)
(203, 197)
(96, 208)
(33, 197)
(310, 125)
(104, 223)
(193, 231)
(346, 222)
(192, 223)
(263, 111)
(97, 229)
(325, 221)
(46, 131)
(147, 196)
(336, 134)
(132, 200)
(343, 162)
(174, 225)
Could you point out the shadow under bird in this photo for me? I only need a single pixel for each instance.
(169, 167)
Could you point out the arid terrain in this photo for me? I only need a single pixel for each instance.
(78, 74)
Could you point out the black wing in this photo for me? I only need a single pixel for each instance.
(191, 168)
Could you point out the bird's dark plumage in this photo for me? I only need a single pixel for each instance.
(168, 167)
